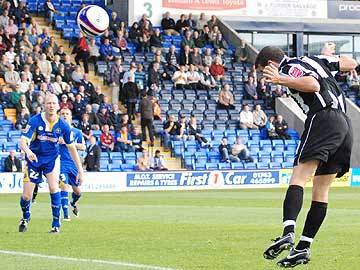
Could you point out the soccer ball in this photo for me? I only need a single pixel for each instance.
(93, 20)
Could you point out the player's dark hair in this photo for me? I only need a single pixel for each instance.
(269, 53)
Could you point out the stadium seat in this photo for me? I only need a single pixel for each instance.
(262, 165)
(224, 166)
(237, 166)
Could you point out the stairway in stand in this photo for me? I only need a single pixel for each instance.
(170, 162)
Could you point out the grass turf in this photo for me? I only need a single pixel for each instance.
(209, 230)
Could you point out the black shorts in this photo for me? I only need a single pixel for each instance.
(328, 138)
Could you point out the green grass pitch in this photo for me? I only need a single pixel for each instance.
(209, 230)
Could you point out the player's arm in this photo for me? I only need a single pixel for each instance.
(347, 63)
(80, 143)
(75, 156)
(307, 84)
(27, 135)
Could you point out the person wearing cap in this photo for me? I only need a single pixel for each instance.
(65, 102)
(157, 162)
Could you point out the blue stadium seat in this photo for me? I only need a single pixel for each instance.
(224, 166)
(275, 165)
(212, 166)
(250, 166)
(103, 165)
(287, 165)
(262, 165)
(237, 166)
(127, 167)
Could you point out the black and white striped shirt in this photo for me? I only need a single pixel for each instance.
(323, 69)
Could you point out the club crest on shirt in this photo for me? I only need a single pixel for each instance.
(58, 130)
(295, 72)
(40, 128)
(26, 129)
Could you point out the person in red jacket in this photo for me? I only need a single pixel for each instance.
(217, 69)
(82, 52)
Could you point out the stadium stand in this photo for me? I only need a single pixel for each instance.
(197, 98)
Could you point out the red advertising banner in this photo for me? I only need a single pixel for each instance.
(204, 4)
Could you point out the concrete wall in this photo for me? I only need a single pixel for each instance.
(353, 112)
(292, 113)
(232, 37)
(296, 119)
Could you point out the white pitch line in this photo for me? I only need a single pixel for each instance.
(51, 257)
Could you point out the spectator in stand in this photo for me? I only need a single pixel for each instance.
(183, 123)
(260, 117)
(114, 22)
(121, 41)
(11, 28)
(24, 83)
(172, 60)
(130, 72)
(225, 152)
(187, 41)
(247, 118)
(241, 54)
(191, 21)
(207, 80)
(116, 117)
(10, 54)
(180, 78)
(4, 65)
(154, 78)
(195, 58)
(106, 140)
(4, 19)
(208, 59)
(12, 77)
(22, 119)
(217, 69)
(131, 96)
(145, 21)
(353, 80)
(49, 10)
(240, 151)
(85, 126)
(104, 117)
(182, 24)
(82, 52)
(171, 131)
(185, 56)
(193, 78)
(199, 40)
(156, 41)
(220, 43)
(77, 75)
(78, 107)
(3, 47)
(135, 34)
(137, 140)
(270, 128)
(65, 103)
(60, 52)
(93, 119)
(97, 99)
(23, 103)
(147, 117)
(124, 141)
(126, 123)
(281, 127)
(106, 50)
(94, 52)
(250, 88)
(44, 65)
(212, 22)
(226, 99)
(157, 162)
(195, 133)
(12, 163)
(116, 74)
(168, 25)
(144, 39)
(201, 22)
(143, 162)
(4, 97)
(55, 64)
(93, 154)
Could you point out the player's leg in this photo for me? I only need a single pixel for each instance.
(291, 208)
(25, 202)
(55, 196)
(31, 176)
(35, 193)
(314, 219)
(76, 194)
(64, 196)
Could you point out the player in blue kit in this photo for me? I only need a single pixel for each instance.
(68, 170)
(40, 143)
